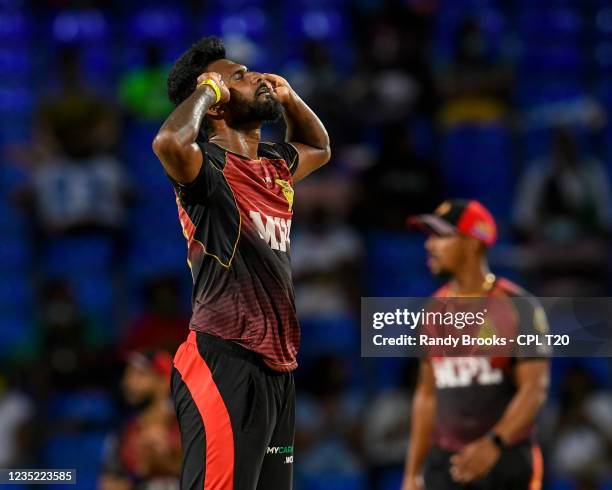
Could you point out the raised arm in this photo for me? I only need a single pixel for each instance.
(421, 425)
(305, 131)
(175, 144)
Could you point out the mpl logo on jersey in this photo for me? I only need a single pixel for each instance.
(272, 229)
(456, 372)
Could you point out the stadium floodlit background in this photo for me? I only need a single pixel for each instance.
(504, 101)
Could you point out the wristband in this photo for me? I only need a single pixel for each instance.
(212, 84)
(497, 440)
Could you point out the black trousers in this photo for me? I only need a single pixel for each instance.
(518, 468)
(236, 415)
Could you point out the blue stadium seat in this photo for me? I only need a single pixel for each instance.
(159, 217)
(551, 61)
(11, 5)
(164, 25)
(234, 5)
(16, 100)
(535, 144)
(159, 23)
(603, 22)
(339, 335)
(562, 25)
(15, 331)
(396, 265)
(15, 253)
(78, 255)
(80, 26)
(599, 368)
(537, 92)
(88, 29)
(82, 452)
(91, 407)
(15, 64)
(16, 292)
(392, 480)
(251, 22)
(477, 164)
(12, 220)
(320, 24)
(95, 294)
(335, 481)
(602, 57)
(152, 184)
(526, 4)
(151, 255)
(388, 372)
(15, 28)
(562, 484)
(16, 128)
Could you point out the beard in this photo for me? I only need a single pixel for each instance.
(140, 404)
(259, 110)
(443, 274)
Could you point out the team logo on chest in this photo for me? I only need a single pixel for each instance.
(287, 191)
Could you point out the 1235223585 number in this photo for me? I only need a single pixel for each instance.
(29, 476)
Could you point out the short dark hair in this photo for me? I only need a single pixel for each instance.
(190, 65)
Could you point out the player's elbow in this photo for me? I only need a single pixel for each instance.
(166, 144)
(325, 155)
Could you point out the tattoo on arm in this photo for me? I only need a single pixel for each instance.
(186, 119)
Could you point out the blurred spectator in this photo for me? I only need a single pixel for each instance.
(16, 415)
(143, 89)
(475, 85)
(69, 350)
(318, 80)
(565, 196)
(564, 200)
(162, 324)
(328, 429)
(393, 76)
(146, 453)
(77, 184)
(583, 436)
(406, 182)
(326, 255)
(386, 428)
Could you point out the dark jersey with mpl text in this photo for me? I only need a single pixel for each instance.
(473, 392)
(236, 217)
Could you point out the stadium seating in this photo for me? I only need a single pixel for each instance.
(477, 163)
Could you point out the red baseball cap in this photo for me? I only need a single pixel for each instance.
(159, 361)
(464, 216)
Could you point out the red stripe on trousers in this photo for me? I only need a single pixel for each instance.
(219, 474)
(537, 463)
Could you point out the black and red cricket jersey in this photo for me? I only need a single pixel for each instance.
(473, 392)
(236, 217)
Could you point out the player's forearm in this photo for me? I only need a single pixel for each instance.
(522, 410)
(423, 409)
(183, 124)
(303, 125)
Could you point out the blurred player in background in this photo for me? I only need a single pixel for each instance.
(146, 453)
(232, 382)
(472, 417)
